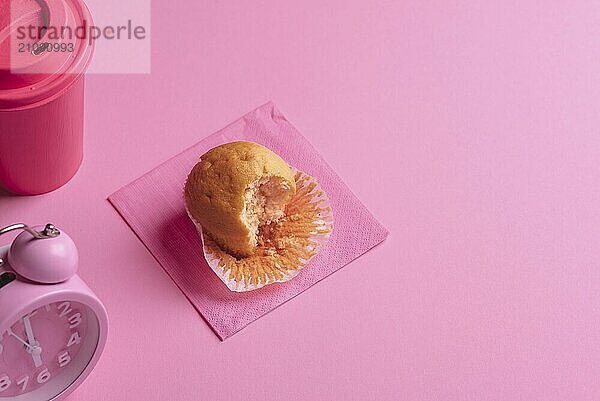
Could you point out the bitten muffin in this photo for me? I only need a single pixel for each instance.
(235, 189)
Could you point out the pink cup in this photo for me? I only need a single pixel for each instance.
(42, 93)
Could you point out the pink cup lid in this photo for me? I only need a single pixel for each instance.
(44, 49)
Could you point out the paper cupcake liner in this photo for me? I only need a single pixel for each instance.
(294, 241)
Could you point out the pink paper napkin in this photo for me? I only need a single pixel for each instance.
(153, 207)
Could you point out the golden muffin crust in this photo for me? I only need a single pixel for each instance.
(235, 188)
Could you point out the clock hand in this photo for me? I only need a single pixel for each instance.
(36, 350)
(11, 333)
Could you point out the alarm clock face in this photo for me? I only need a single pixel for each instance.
(45, 351)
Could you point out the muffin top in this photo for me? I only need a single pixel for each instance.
(216, 187)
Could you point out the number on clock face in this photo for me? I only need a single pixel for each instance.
(4, 382)
(41, 345)
(64, 359)
(23, 383)
(74, 339)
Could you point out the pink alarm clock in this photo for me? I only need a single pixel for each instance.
(52, 327)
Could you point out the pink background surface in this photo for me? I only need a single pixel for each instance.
(469, 129)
